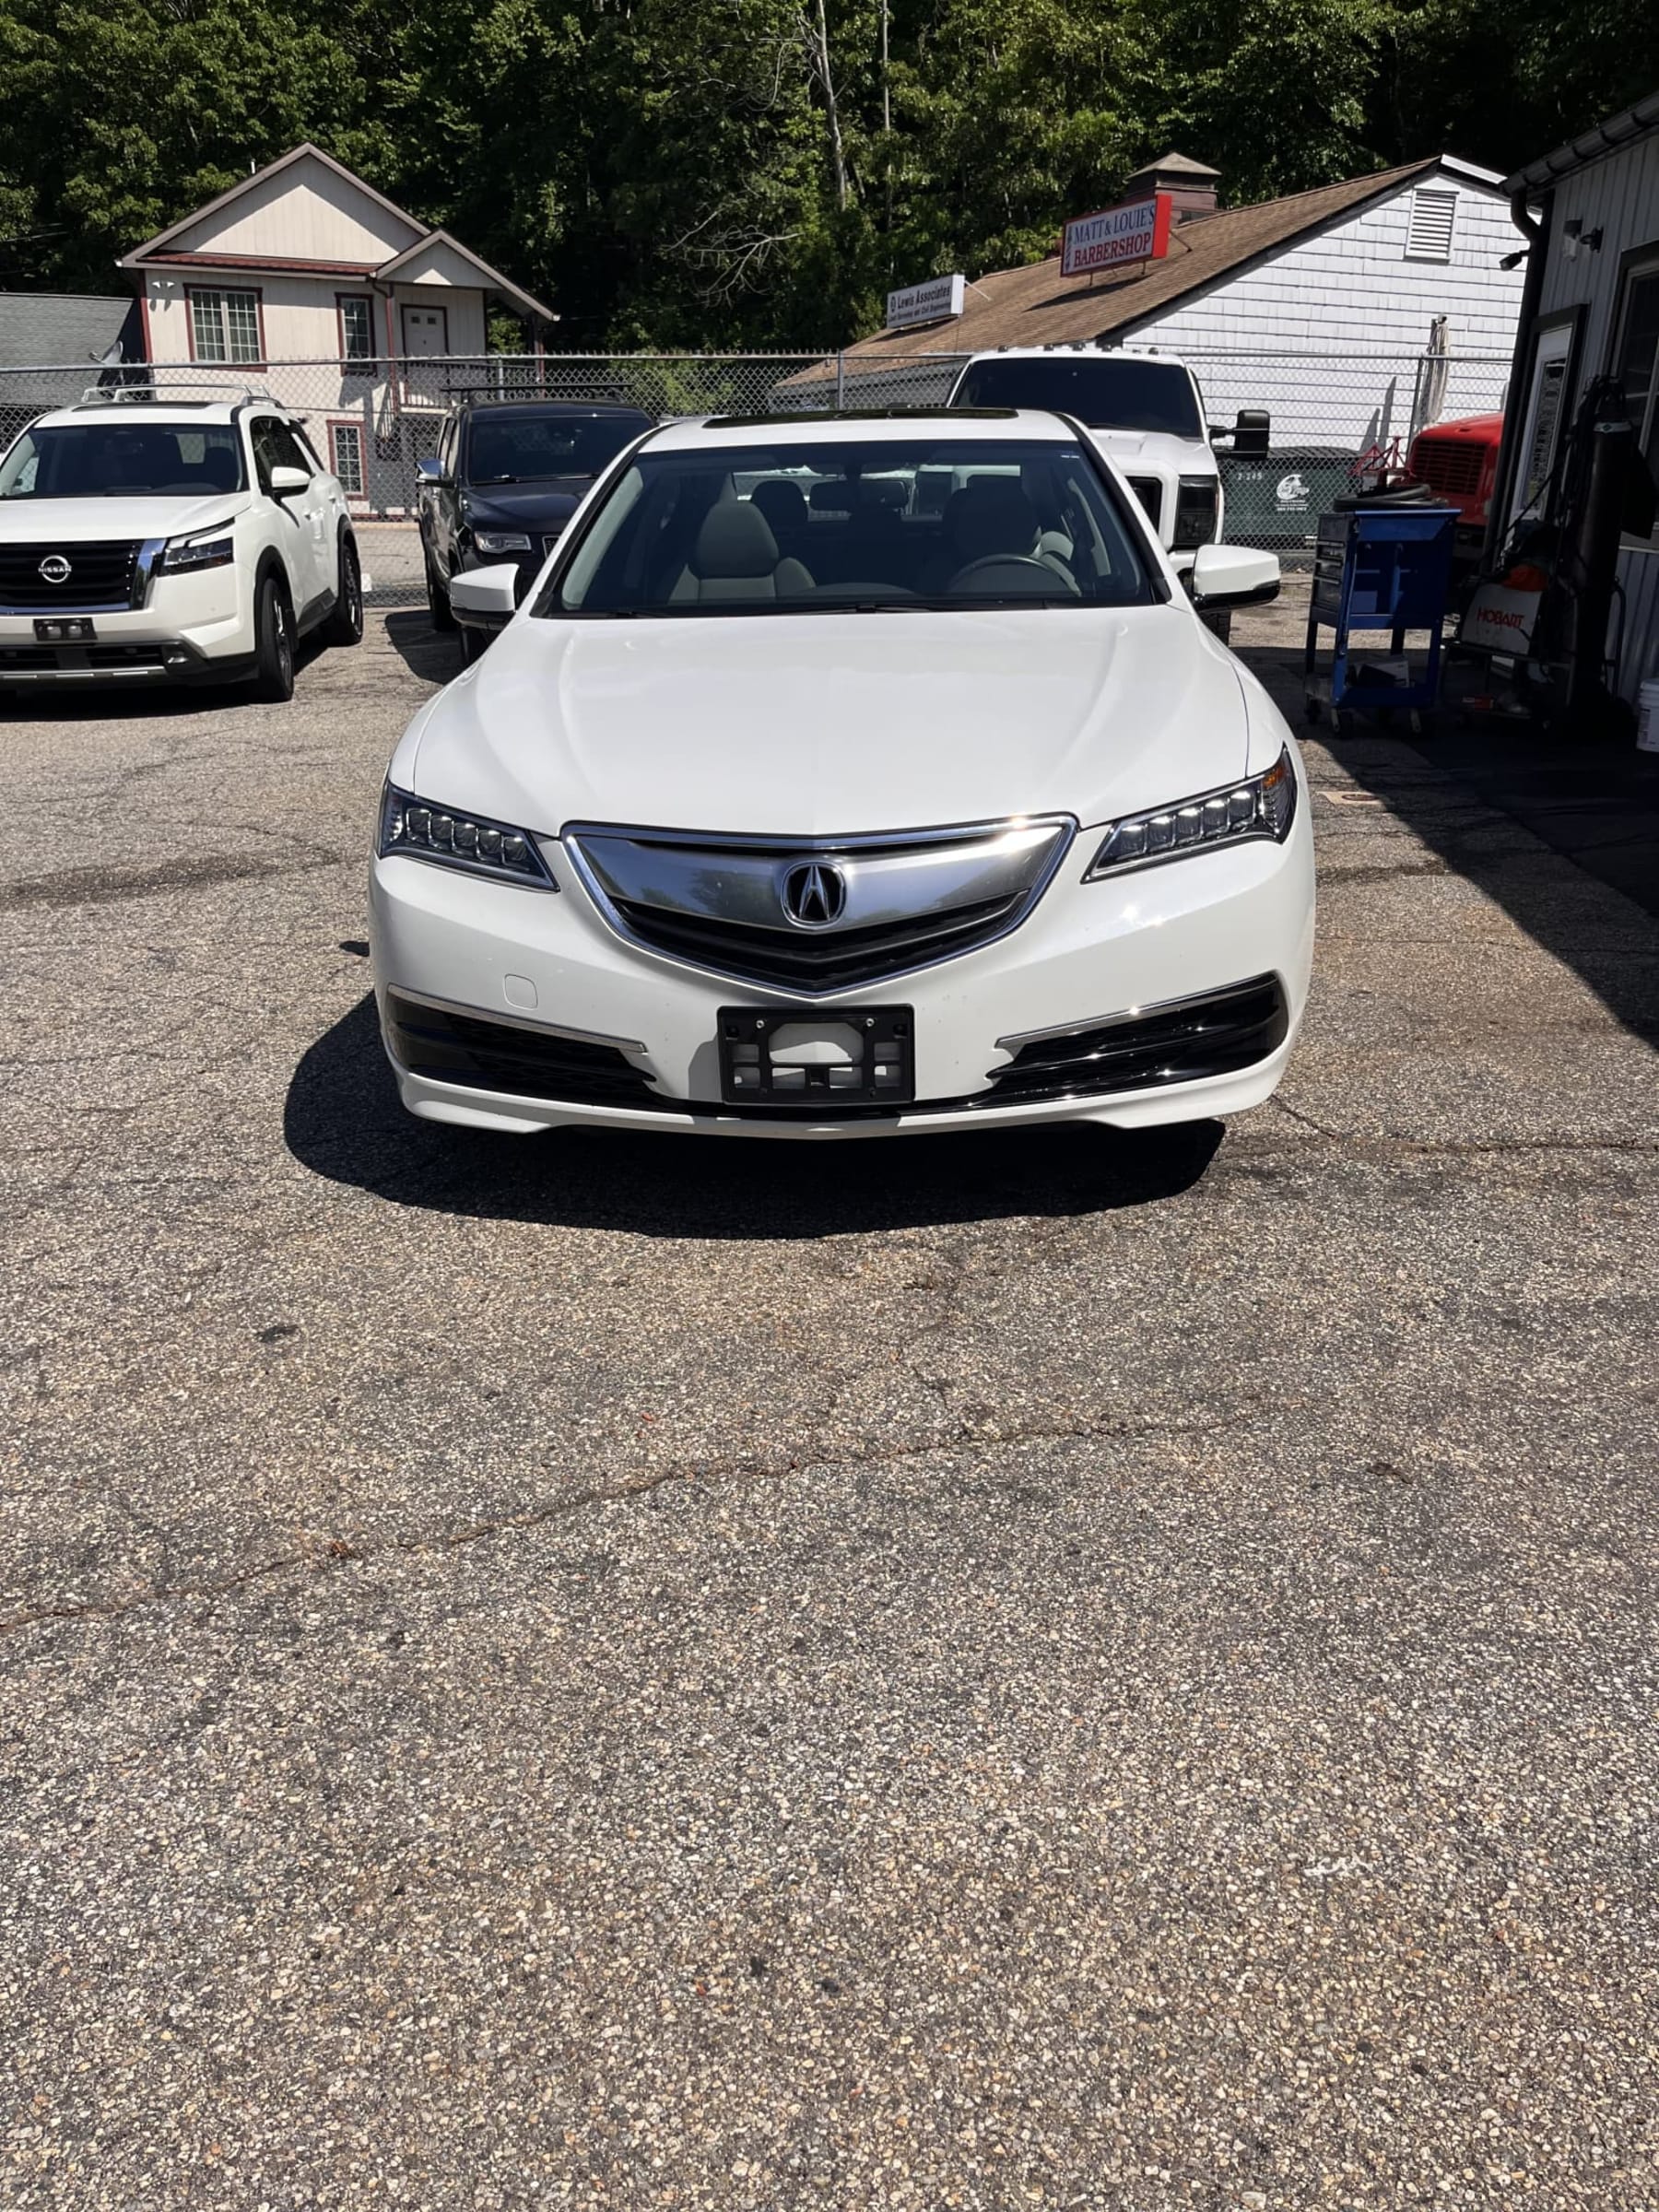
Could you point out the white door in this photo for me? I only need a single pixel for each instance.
(307, 520)
(425, 337)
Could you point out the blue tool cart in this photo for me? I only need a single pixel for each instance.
(1379, 568)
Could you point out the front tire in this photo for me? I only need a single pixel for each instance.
(438, 598)
(345, 626)
(1219, 624)
(273, 632)
(475, 644)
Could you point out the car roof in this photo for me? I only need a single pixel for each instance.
(1070, 352)
(486, 402)
(192, 411)
(896, 426)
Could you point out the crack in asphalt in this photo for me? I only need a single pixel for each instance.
(105, 887)
(325, 1554)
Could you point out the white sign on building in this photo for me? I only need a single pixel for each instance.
(1136, 231)
(933, 301)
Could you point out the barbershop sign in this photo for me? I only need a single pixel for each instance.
(1117, 236)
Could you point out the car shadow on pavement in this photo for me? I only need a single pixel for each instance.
(434, 655)
(343, 1121)
(1462, 792)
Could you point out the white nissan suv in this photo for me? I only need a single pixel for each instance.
(151, 539)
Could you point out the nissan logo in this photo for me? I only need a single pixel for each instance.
(814, 895)
(55, 569)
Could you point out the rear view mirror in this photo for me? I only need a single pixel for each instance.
(1234, 576)
(495, 590)
(286, 482)
(1251, 434)
(430, 471)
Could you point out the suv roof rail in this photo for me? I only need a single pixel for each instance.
(149, 394)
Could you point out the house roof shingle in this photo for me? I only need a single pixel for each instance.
(39, 329)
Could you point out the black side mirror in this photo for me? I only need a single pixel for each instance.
(1249, 434)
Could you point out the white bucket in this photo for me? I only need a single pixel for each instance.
(1647, 716)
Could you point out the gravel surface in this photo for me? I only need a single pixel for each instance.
(1007, 1671)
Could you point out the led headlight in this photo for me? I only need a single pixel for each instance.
(1262, 806)
(501, 541)
(198, 553)
(472, 841)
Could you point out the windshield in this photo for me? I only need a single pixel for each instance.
(511, 449)
(924, 522)
(117, 460)
(1108, 392)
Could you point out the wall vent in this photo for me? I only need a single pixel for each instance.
(1433, 214)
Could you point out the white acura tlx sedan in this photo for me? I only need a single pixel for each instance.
(847, 777)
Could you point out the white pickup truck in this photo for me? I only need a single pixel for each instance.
(1146, 411)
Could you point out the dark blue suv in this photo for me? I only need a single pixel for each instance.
(508, 478)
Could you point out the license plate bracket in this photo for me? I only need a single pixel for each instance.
(65, 630)
(815, 1067)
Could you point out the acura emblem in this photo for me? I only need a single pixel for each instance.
(815, 895)
(55, 569)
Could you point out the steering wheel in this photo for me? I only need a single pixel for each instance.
(1014, 560)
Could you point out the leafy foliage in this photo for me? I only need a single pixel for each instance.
(753, 173)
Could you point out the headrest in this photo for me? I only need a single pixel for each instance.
(219, 465)
(992, 514)
(736, 540)
(834, 497)
(784, 505)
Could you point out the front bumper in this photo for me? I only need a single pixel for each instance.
(191, 628)
(1090, 954)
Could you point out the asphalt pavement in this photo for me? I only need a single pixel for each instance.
(1000, 1671)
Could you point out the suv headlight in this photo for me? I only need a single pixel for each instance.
(217, 552)
(1196, 506)
(501, 541)
(455, 839)
(1262, 806)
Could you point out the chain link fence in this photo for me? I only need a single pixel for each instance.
(374, 421)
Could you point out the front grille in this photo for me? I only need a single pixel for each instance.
(530, 1064)
(1217, 1034)
(1449, 464)
(895, 902)
(837, 962)
(1148, 491)
(100, 575)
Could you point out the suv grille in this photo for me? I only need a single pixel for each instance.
(899, 903)
(100, 575)
(1214, 1035)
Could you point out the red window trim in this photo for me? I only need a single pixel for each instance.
(350, 422)
(190, 292)
(363, 361)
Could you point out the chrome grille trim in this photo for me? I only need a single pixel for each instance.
(914, 898)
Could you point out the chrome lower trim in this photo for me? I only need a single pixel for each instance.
(516, 1021)
(1100, 1021)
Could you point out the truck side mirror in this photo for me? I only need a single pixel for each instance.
(1251, 433)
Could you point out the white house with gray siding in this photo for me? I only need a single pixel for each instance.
(1319, 306)
(1594, 311)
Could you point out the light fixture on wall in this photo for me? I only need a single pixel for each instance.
(1576, 239)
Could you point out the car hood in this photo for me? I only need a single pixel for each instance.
(832, 724)
(550, 500)
(1187, 456)
(80, 522)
